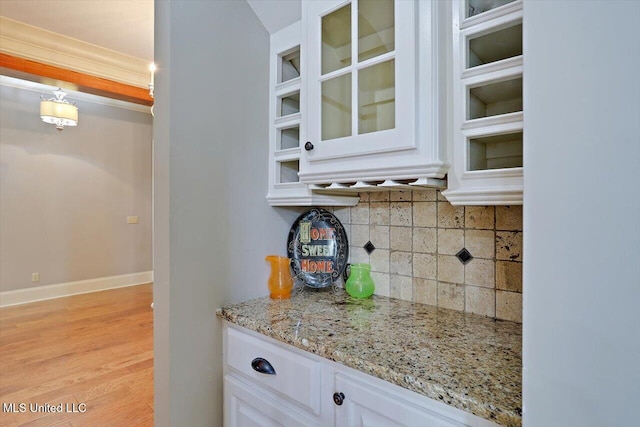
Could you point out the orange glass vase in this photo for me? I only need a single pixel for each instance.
(280, 281)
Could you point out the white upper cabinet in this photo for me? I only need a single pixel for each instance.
(382, 94)
(373, 107)
(286, 122)
(487, 140)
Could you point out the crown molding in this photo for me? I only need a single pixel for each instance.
(36, 44)
(72, 94)
(33, 71)
(485, 196)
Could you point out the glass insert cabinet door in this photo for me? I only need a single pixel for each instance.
(360, 62)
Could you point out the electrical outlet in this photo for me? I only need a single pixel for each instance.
(132, 220)
(35, 277)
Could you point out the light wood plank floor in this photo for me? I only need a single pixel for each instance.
(94, 349)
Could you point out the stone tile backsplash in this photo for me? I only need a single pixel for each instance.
(417, 235)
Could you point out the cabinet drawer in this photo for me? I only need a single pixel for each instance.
(294, 375)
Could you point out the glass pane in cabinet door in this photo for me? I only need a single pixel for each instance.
(336, 107)
(288, 138)
(475, 7)
(289, 104)
(289, 171)
(377, 97)
(336, 39)
(375, 28)
(289, 66)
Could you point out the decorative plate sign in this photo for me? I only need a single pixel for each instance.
(318, 248)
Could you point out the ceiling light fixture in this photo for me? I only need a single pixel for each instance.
(58, 111)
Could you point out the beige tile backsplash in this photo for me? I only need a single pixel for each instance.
(417, 235)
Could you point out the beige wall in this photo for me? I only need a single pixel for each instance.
(65, 196)
(417, 235)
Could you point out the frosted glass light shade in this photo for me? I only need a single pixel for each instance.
(58, 113)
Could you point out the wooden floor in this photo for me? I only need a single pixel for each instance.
(91, 352)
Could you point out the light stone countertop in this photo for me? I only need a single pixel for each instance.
(470, 362)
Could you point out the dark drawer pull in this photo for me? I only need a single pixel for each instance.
(308, 146)
(263, 366)
(338, 398)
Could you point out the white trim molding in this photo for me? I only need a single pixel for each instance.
(72, 94)
(485, 196)
(40, 293)
(36, 44)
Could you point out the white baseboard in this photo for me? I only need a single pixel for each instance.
(23, 296)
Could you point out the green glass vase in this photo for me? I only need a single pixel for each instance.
(360, 284)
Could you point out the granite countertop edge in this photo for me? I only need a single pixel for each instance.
(432, 389)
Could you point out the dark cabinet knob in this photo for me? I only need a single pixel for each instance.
(308, 146)
(338, 398)
(263, 366)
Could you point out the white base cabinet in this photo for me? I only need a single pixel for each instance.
(248, 406)
(367, 404)
(268, 383)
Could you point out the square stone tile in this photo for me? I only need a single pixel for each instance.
(509, 306)
(379, 236)
(425, 240)
(425, 266)
(450, 216)
(379, 213)
(401, 287)
(441, 198)
(479, 217)
(359, 235)
(364, 197)
(509, 245)
(451, 296)
(425, 195)
(400, 238)
(360, 213)
(380, 260)
(425, 291)
(379, 196)
(481, 243)
(381, 282)
(401, 196)
(425, 214)
(343, 214)
(509, 218)
(450, 241)
(509, 276)
(480, 301)
(450, 269)
(400, 213)
(480, 272)
(358, 255)
(347, 230)
(401, 263)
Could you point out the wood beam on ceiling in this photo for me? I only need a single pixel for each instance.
(26, 69)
